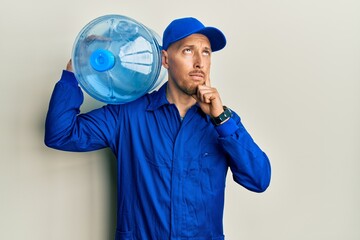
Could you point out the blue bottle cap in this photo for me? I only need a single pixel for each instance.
(102, 60)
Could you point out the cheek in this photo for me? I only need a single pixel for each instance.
(207, 65)
(179, 68)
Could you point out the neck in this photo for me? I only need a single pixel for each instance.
(182, 101)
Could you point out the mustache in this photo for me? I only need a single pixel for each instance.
(197, 72)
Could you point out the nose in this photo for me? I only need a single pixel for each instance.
(198, 61)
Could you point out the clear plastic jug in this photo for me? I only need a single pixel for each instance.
(117, 59)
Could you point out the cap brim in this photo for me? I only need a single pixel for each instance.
(216, 37)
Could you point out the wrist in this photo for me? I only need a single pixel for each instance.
(223, 117)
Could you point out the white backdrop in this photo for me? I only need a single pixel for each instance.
(291, 69)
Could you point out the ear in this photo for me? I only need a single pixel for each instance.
(164, 59)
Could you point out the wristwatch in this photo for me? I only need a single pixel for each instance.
(225, 115)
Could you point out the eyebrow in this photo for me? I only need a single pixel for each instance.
(192, 46)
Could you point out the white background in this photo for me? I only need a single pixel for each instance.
(291, 70)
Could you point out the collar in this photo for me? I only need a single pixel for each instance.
(157, 99)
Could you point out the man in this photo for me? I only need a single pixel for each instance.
(173, 146)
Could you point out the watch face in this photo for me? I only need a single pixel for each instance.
(225, 114)
(222, 117)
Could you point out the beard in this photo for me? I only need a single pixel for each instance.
(190, 87)
(185, 84)
(190, 90)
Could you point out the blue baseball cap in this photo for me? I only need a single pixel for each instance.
(184, 27)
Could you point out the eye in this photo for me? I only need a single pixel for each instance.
(187, 50)
(206, 52)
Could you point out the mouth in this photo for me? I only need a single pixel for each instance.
(198, 75)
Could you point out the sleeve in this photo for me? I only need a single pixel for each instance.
(66, 129)
(250, 166)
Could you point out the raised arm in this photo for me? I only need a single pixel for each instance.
(67, 129)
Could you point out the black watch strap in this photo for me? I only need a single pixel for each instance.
(222, 117)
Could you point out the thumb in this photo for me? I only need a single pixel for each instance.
(195, 97)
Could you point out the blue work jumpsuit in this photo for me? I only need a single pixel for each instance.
(170, 172)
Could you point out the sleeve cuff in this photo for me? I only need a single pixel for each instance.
(68, 77)
(227, 128)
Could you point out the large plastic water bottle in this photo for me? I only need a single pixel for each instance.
(117, 59)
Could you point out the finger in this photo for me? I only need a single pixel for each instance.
(209, 97)
(207, 82)
(206, 94)
(69, 66)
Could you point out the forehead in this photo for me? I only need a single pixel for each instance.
(194, 39)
